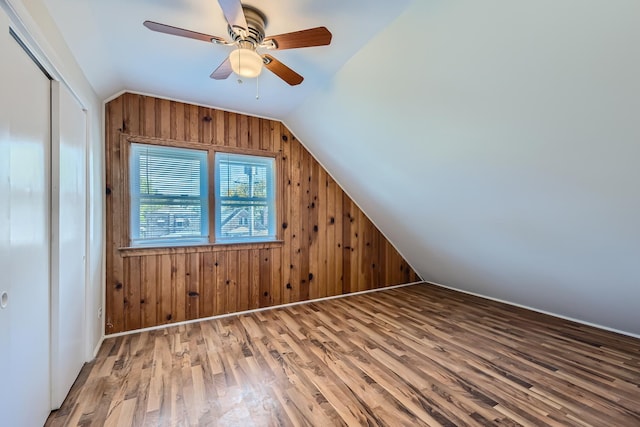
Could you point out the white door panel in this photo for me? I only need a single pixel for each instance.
(68, 241)
(24, 196)
(5, 214)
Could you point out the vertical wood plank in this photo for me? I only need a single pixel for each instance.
(149, 118)
(256, 134)
(207, 296)
(321, 230)
(330, 243)
(264, 127)
(369, 254)
(265, 278)
(254, 279)
(243, 131)
(232, 130)
(192, 271)
(193, 131)
(132, 114)
(243, 280)
(375, 258)
(180, 287)
(286, 212)
(353, 243)
(275, 131)
(232, 281)
(313, 227)
(219, 123)
(305, 238)
(178, 120)
(207, 292)
(164, 118)
(132, 307)
(347, 224)
(149, 279)
(221, 283)
(205, 125)
(166, 290)
(276, 276)
(297, 217)
(362, 252)
(338, 247)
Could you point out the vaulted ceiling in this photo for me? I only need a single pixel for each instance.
(500, 155)
(118, 53)
(494, 143)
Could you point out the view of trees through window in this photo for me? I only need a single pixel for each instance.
(244, 200)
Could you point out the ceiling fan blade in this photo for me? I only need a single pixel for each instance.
(223, 71)
(175, 31)
(318, 36)
(233, 13)
(282, 71)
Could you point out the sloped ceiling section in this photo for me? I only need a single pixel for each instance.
(497, 143)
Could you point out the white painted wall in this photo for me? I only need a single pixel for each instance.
(496, 144)
(51, 49)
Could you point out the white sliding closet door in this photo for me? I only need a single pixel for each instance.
(69, 239)
(5, 235)
(24, 236)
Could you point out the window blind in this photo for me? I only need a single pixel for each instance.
(168, 195)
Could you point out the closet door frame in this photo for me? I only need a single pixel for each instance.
(15, 16)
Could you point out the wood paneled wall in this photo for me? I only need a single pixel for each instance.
(328, 246)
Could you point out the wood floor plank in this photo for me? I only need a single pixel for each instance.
(418, 355)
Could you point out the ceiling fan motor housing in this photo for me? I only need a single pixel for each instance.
(256, 21)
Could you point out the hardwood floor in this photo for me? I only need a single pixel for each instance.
(418, 355)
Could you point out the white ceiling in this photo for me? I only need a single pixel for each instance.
(117, 53)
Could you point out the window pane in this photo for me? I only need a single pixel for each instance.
(168, 195)
(161, 218)
(169, 176)
(245, 197)
(244, 220)
(243, 179)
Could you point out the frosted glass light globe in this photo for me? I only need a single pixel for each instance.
(246, 63)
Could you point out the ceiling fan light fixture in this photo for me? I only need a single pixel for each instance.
(246, 27)
(246, 63)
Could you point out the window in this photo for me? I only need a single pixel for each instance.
(168, 195)
(169, 190)
(245, 198)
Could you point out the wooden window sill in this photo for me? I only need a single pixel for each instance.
(209, 247)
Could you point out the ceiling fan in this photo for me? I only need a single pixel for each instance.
(246, 26)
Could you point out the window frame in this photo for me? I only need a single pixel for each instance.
(181, 247)
(269, 202)
(134, 208)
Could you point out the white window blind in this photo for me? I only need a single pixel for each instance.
(245, 198)
(168, 195)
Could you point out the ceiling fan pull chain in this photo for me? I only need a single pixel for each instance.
(257, 87)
